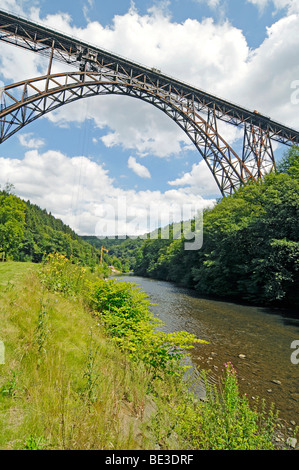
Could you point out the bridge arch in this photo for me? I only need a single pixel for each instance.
(26, 101)
(103, 72)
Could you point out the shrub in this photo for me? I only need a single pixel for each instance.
(59, 274)
(124, 311)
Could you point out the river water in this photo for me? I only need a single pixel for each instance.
(262, 335)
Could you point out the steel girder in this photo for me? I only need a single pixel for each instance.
(23, 102)
(74, 52)
(257, 151)
(102, 72)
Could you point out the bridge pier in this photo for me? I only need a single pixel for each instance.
(258, 153)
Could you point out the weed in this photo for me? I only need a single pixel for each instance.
(35, 443)
(76, 401)
(9, 286)
(59, 274)
(225, 420)
(42, 330)
(90, 373)
(11, 388)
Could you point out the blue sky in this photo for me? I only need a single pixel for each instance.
(242, 14)
(85, 157)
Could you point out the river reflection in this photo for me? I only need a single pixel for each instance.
(257, 341)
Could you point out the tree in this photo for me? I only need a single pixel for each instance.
(290, 162)
(12, 222)
(250, 244)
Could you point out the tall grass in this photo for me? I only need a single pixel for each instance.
(61, 388)
(87, 368)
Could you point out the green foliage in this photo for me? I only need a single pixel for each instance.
(79, 396)
(56, 403)
(27, 233)
(250, 244)
(59, 274)
(290, 162)
(225, 420)
(34, 443)
(12, 222)
(46, 234)
(42, 329)
(11, 388)
(253, 256)
(90, 374)
(124, 311)
(123, 253)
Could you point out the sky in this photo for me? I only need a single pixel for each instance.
(114, 165)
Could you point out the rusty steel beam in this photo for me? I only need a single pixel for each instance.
(102, 72)
(258, 153)
(37, 38)
(25, 101)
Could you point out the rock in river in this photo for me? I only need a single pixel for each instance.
(292, 442)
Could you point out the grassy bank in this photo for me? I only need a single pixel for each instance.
(87, 368)
(63, 385)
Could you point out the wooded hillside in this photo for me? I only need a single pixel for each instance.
(27, 233)
(250, 244)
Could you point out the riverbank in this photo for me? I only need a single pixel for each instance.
(70, 381)
(250, 245)
(256, 340)
(65, 384)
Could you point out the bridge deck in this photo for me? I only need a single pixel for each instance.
(35, 37)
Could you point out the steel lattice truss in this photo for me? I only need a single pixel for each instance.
(103, 73)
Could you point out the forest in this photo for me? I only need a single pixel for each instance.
(123, 254)
(250, 246)
(27, 233)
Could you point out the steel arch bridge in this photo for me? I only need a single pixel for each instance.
(98, 72)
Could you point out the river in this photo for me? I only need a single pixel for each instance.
(262, 337)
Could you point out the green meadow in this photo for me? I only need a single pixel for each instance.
(86, 367)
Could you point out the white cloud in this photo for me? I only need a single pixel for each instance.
(208, 64)
(200, 180)
(211, 3)
(86, 9)
(261, 4)
(17, 6)
(270, 70)
(172, 47)
(259, 81)
(29, 65)
(138, 169)
(137, 126)
(28, 141)
(82, 194)
(212, 56)
(291, 5)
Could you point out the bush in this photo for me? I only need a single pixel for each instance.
(59, 274)
(124, 311)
